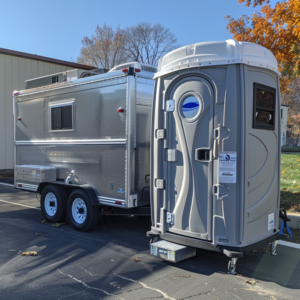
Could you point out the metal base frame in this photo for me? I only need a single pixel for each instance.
(232, 252)
(253, 246)
(188, 241)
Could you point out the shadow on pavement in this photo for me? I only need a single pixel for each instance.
(117, 239)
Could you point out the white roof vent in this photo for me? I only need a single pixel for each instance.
(217, 53)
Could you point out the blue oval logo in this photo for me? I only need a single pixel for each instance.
(190, 107)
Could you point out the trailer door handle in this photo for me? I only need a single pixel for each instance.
(202, 154)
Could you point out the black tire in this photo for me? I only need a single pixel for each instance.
(91, 212)
(60, 202)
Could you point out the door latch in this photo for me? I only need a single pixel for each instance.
(160, 134)
(221, 133)
(171, 155)
(160, 184)
(220, 191)
(170, 105)
(170, 218)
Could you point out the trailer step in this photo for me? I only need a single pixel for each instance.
(171, 252)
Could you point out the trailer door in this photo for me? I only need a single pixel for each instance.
(189, 127)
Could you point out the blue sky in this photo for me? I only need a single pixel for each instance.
(56, 28)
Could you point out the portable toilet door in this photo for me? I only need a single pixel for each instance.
(215, 150)
(189, 156)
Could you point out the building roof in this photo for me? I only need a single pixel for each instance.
(46, 59)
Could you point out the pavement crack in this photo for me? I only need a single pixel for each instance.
(144, 285)
(199, 294)
(73, 294)
(92, 275)
(233, 295)
(128, 291)
(87, 286)
(160, 297)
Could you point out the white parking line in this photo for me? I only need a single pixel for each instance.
(7, 184)
(20, 204)
(289, 244)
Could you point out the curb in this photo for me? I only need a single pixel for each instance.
(295, 220)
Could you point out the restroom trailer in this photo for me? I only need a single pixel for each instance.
(215, 148)
(82, 140)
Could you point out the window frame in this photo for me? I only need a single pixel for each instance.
(62, 103)
(256, 125)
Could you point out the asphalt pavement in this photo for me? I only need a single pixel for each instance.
(100, 264)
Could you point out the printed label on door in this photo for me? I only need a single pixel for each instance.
(271, 222)
(227, 167)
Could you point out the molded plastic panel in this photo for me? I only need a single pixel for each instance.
(262, 163)
(216, 53)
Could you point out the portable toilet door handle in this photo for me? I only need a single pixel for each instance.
(202, 154)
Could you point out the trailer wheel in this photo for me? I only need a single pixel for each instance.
(54, 203)
(82, 214)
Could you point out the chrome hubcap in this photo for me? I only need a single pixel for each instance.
(50, 204)
(79, 210)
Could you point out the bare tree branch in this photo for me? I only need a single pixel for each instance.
(147, 43)
(104, 49)
(144, 43)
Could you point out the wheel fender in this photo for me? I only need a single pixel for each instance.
(70, 188)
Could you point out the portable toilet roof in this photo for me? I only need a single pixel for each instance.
(217, 53)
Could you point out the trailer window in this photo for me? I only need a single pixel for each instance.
(62, 117)
(264, 100)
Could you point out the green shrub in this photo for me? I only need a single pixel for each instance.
(293, 149)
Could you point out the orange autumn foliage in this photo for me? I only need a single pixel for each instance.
(254, 2)
(277, 29)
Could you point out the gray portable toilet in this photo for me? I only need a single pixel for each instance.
(215, 148)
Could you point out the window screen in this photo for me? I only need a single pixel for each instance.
(264, 102)
(61, 117)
